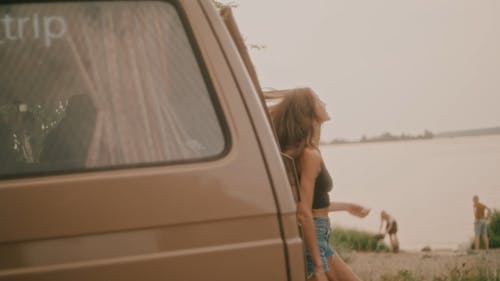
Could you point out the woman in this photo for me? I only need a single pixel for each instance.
(297, 118)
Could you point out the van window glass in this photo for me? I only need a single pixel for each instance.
(293, 177)
(90, 85)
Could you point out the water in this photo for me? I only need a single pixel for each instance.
(427, 185)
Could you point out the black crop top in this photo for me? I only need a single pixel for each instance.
(322, 186)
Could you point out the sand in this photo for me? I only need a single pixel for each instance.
(422, 265)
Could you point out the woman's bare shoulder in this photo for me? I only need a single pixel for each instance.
(311, 156)
(311, 151)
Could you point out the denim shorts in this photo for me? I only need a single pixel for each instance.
(480, 227)
(323, 229)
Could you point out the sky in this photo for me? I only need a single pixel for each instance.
(382, 66)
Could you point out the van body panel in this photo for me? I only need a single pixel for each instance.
(169, 240)
(231, 262)
(99, 202)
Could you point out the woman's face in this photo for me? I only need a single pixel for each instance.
(320, 109)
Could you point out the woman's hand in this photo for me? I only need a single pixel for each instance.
(358, 211)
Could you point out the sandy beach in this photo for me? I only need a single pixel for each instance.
(421, 265)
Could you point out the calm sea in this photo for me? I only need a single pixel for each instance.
(427, 185)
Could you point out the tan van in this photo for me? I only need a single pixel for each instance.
(134, 145)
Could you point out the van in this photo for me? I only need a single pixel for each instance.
(135, 145)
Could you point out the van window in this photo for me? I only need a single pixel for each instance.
(91, 85)
(293, 178)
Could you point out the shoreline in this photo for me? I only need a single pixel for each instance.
(435, 138)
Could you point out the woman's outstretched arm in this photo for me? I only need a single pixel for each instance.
(353, 209)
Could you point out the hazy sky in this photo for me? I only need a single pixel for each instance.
(392, 65)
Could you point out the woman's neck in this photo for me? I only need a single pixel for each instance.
(316, 133)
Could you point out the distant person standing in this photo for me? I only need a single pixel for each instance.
(480, 222)
(391, 228)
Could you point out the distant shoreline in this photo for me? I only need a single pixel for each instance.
(426, 135)
(470, 133)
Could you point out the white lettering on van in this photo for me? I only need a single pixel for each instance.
(36, 26)
(47, 28)
(20, 26)
(7, 20)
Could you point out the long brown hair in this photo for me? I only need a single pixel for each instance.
(293, 115)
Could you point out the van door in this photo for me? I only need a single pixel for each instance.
(278, 164)
(128, 150)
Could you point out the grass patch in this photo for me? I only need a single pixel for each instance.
(494, 229)
(346, 240)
